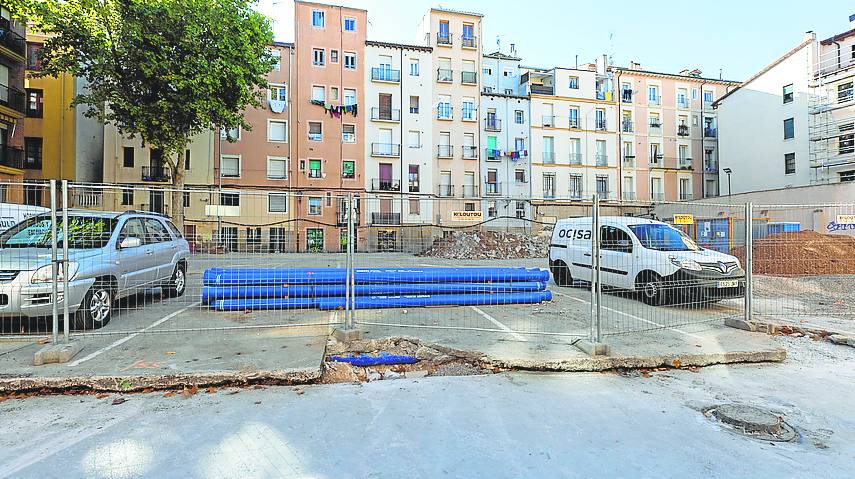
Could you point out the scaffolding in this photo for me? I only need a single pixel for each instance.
(831, 113)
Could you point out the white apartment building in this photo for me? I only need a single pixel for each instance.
(398, 133)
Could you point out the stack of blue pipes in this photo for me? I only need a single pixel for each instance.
(235, 289)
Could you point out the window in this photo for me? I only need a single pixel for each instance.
(230, 199)
(519, 176)
(230, 134)
(487, 71)
(520, 209)
(708, 96)
(519, 145)
(492, 209)
(333, 56)
(846, 140)
(694, 93)
(186, 159)
(509, 91)
(519, 117)
(615, 239)
(318, 56)
(316, 132)
(468, 206)
(334, 93)
(443, 110)
(655, 156)
(574, 83)
(34, 56)
(34, 103)
(847, 176)
(33, 195)
(277, 203)
(414, 139)
(549, 185)
(33, 153)
(350, 60)
(788, 93)
(185, 199)
(315, 206)
(278, 92)
(349, 96)
(348, 169)
(789, 163)
(349, 24)
(508, 72)
(844, 92)
(277, 168)
(128, 157)
(318, 18)
(315, 169)
(414, 206)
(414, 104)
(230, 166)
(653, 95)
(789, 129)
(348, 133)
(414, 67)
(600, 119)
(127, 196)
(682, 98)
(277, 59)
(573, 115)
(277, 131)
(468, 109)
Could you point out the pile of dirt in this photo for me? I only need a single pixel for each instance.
(488, 245)
(802, 253)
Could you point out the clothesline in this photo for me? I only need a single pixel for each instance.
(336, 111)
(512, 154)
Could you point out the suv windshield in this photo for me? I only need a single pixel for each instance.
(85, 232)
(663, 238)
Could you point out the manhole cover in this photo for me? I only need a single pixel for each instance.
(753, 422)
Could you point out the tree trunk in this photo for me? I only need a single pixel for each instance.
(177, 193)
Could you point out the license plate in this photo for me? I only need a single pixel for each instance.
(728, 284)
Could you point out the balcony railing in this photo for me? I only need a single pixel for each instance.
(573, 122)
(385, 218)
(444, 75)
(443, 38)
(602, 160)
(157, 174)
(12, 40)
(710, 168)
(444, 190)
(656, 159)
(470, 191)
(413, 186)
(575, 194)
(549, 157)
(654, 101)
(575, 158)
(655, 124)
(629, 161)
(390, 150)
(386, 74)
(385, 114)
(492, 124)
(683, 130)
(467, 113)
(685, 163)
(469, 42)
(685, 195)
(548, 120)
(628, 195)
(626, 126)
(626, 96)
(444, 112)
(492, 189)
(657, 196)
(683, 104)
(710, 132)
(444, 151)
(385, 184)
(600, 125)
(469, 78)
(604, 194)
(470, 152)
(12, 157)
(541, 90)
(13, 98)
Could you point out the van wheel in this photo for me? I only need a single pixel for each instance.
(178, 283)
(561, 274)
(96, 309)
(652, 289)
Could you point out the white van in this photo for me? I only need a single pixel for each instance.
(650, 257)
(12, 214)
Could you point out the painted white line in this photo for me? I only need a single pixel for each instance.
(426, 265)
(122, 341)
(500, 325)
(631, 316)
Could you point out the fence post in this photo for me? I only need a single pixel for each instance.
(596, 288)
(350, 300)
(54, 264)
(749, 260)
(66, 320)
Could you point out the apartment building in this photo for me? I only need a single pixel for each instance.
(398, 127)
(573, 132)
(328, 141)
(253, 169)
(504, 159)
(13, 51)
(668, 134)
(456, 41)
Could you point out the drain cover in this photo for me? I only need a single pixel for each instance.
(753, 422)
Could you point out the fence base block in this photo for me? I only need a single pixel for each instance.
(57, 353)
(592, 348)
(740, 324)
(345, 335)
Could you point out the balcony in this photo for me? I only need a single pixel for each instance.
(626, 96)
(683, 130)
(443, 38)
(11, 40)
(656, 160)
(654, 125)
(385, 184)
(655, 196)
(444, 112)
(470, 191)
(444, 151)
(413, 186)
(468, 113)
(470, 152)
(548, 121)
(600, 125)
(573, 123)
(13, 98)
(469, 41)
(684, 104)
(386, 150)
(492, 189)
(654, 101)
(604, 194)
(444, 75)
(541, 89)
(385, 114)
(710, 167)
(685, 163)
(386, 219)
(575, 194)
(491, 154)
(685, 196)
(602, 160)
(468, 78)
(628, 195)
(629, 161)
(156, 174)
(710, 132)
(444, 190)
(492, 124)
(12, 157)
(386, 75)
(575, 158)
(549, 157)
(626, 126)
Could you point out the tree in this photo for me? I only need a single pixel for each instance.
(160, 70)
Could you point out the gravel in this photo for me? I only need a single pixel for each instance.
(488, 245)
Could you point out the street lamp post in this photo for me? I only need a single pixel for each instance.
(728, 171)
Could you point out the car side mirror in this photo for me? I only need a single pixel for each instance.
(130, 242)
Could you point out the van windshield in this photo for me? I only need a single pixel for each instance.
(663, 238)
(85, 232)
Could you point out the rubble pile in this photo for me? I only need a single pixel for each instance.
(488, 245)
(802, 253)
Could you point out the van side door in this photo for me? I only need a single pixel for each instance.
(578, 235)
(616, 259)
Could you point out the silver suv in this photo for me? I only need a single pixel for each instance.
(110, 256)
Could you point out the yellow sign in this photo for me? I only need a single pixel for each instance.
(846, 219)
(466, 216)
(684, 219)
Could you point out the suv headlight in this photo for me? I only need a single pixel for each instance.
(689, 264)
(738, 264)
(45, 273)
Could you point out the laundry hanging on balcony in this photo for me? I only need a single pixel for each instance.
(277, 106)
(336, 111)
(512, 154)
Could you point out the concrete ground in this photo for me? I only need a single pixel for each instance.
(515, 425)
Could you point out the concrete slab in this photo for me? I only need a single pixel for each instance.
(57, 353)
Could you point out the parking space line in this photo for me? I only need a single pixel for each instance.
(631, 316)
(122, 341)
(499, 324)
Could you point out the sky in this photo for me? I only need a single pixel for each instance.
(728, 38)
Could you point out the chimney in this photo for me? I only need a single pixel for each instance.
(513, 50)
(684, 72)
(810, 36)
(634, 65)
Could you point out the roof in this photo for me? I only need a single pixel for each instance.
(398, 45)
(501, 56)
(675, 75)
(283, 44)
(460, 12)
(840, 36)
(505, 95)
(304, 2)
(804, 43)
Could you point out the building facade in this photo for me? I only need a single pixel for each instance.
(13, 51)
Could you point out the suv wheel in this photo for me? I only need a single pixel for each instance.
(652, 290)
(96, 309)
(178, 283)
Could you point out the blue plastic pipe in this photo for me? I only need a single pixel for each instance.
(309, 276)
(414, 301)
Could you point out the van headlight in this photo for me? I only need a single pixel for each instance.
(45, 273)
(689, 264)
